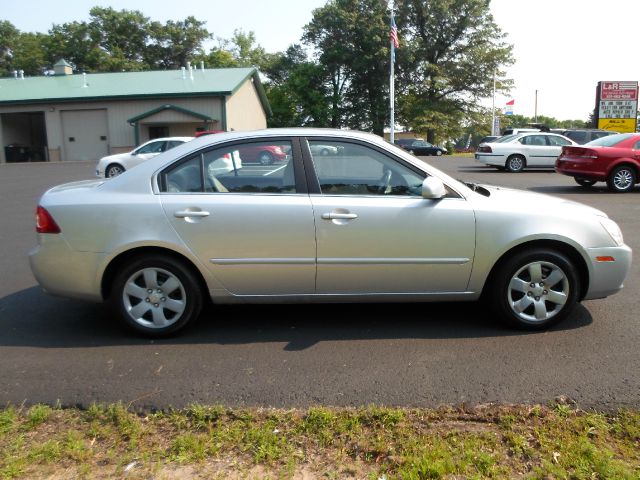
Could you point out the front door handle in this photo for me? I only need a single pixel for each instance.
(339, 216)
(190, 213)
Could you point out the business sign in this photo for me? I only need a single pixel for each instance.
(619, 91)
(508, 109)
(617, 106)
(618, 109)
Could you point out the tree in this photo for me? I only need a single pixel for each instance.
(351, 41)
(175, 43)
(29, 53)
(449, 52)
(8, 38)
(77, 43)
(122, 35)
(296, 90)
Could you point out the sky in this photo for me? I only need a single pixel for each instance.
(562, 47)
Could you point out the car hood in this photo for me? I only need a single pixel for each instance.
(115, 156)
(530, 201)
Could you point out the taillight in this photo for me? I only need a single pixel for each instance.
(485, 149)
(45, 222)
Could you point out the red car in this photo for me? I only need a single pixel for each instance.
(261, 153)
(614, 159)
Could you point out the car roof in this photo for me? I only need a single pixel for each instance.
(184, 139)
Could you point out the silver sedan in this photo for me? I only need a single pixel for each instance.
(370, 223)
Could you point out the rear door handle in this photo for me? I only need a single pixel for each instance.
(191, 213)
(339, 216)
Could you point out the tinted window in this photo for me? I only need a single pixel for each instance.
(536, 140)
(360, 170)
(558, 141)
(578, 137)
(173, 143)
(224, 170)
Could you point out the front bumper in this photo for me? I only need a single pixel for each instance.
(607, 277)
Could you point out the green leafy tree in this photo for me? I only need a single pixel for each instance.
(29, 53)
(76, 42)
(351, 41)
(449, 52)
(175, 43)
(8, 37)
(296, 90)
(123, 35)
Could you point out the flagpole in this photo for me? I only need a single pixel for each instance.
(392, 92)
(493, 106)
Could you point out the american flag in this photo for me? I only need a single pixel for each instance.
(394, 33)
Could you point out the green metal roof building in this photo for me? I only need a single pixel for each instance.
(75, 117)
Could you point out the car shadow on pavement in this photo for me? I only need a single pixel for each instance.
(34, 319)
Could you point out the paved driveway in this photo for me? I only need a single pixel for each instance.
(59, 350)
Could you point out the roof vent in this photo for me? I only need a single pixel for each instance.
(62, 67)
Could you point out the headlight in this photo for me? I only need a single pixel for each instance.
(613, 230)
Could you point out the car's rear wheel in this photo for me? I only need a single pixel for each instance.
(156, 295)
(621, 179)
(265, 158)
(515, 163)
(584, 182)
(534, 289)
(113, 170)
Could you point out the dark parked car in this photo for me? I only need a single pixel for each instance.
(420, 147)
(614, 159)
(583, 135)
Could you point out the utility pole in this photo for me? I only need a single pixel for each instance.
(535, 112)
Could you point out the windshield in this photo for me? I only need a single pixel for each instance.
(610, 140)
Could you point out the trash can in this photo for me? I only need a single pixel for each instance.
(17, 153)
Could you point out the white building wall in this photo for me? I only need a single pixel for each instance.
(244, 109)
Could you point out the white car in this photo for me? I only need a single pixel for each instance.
(114, 165)
(516, 152)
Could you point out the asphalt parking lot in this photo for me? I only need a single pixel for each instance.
(63, 351)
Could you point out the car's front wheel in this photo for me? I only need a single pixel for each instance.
(515, 163)
(621, 179)
(265, 158)
(584, 182)
(534, 289)
(113, 170)
(156, 295)
(438, 152)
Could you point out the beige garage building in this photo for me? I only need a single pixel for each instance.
(76, 117)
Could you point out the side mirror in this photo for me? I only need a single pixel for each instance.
(433, 188)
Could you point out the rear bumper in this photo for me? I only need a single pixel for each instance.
(580, 169)
(489, 159)
(63, 271)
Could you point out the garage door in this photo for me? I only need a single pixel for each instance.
(85, 134)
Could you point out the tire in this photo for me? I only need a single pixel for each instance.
(324, 152)
(113, 170)
(584, 182)
(515, 163)
(265, 158)
(520, 292)
(621, 179)
(144, 301)
(438, 153)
